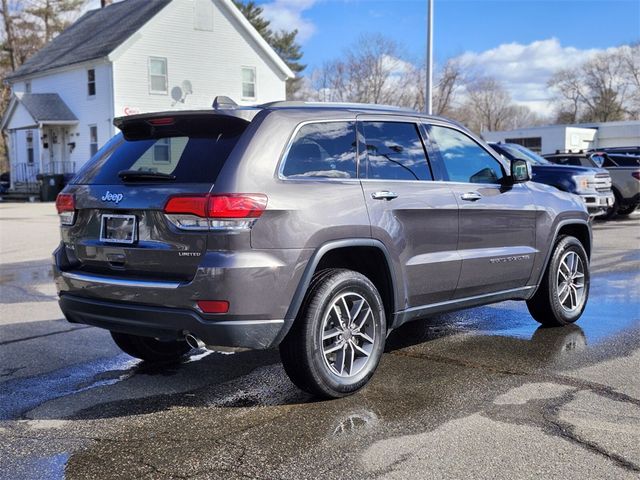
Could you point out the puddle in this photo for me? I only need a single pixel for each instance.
(613, 306)
(51, 468)
(24, 394)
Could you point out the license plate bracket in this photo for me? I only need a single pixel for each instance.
(118, 228)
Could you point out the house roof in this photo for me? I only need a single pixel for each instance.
(40, 108)
(45, 107)
(94, 35)
(99, 32)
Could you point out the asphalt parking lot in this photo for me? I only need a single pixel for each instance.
(482, 393)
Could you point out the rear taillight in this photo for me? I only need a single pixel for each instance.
(636, 175)
(66, 206)
(236, 211)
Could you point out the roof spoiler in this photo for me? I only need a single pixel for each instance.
(223, 103)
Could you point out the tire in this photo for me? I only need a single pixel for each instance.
(628, 210)
(150, 349)
(307, 357)
(550, 305)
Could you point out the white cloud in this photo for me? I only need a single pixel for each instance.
(525, 69)
(288, 15)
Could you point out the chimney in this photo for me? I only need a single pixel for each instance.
(104, 3)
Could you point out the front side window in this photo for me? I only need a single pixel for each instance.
(158, 82)
(322, 150)
(93, 139)
(91, 82)
(395, 151)
(248, 82)
(463, 159)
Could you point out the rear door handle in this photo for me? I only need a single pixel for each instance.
(384, 195)
(471, 196)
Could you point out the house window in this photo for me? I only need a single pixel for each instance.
(91, 82)
(27, 87)
(248, 82)
(93, 139)
(158, 75)
(161, 151)
(30, 155)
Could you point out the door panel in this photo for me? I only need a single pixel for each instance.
(420, 229)
(496, 218)
(414, 217)
(497, 238)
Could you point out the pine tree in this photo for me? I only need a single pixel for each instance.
(283, 42)
(253, 13)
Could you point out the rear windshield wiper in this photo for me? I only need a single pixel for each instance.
(138, 175)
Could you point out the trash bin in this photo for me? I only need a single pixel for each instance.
(50, 186)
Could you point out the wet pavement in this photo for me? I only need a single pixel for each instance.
(481, 393)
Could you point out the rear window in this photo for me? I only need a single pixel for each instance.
(190, 155)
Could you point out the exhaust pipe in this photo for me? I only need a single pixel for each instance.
(194, 342)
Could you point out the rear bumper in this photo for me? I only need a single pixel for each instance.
(170, 323)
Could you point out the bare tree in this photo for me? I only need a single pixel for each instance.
(488, 103)
(604, 88)
(448, 83)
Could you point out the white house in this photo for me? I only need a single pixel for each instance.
(131, 57)
(583, 136)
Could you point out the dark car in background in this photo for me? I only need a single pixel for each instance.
(622, 163)
(592, 184)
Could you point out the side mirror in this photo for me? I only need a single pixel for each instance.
(520, 171)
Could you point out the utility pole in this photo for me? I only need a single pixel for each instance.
(428, 102)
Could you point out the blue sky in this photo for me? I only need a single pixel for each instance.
(519, 42)
(328, 26)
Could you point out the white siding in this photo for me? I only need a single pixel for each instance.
(71, 85)
(210, 60)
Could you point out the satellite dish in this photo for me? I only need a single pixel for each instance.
(187, 87)
(176, 94)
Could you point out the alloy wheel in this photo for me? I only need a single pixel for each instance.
(348, 334)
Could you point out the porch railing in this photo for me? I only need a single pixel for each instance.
(66, 168)
(25, 175)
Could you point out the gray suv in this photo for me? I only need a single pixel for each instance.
(317, 228)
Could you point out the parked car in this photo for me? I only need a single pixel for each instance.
(316, 228)
(623, 164)
(591, 184)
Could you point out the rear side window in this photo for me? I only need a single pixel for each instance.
(325, 150)
(191, 155)
(395, 151)
(463, 159)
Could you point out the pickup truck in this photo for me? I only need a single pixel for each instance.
(591, 184)
(623, 164)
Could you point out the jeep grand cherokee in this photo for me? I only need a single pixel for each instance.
(317, 228)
